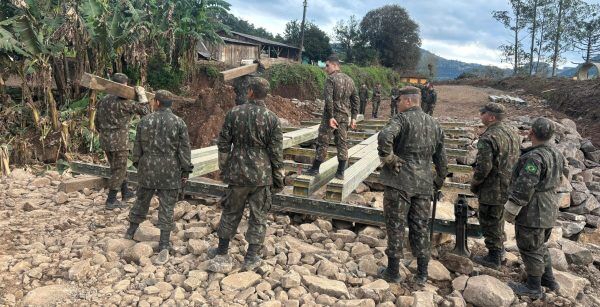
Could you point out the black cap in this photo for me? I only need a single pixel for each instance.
(543, 128)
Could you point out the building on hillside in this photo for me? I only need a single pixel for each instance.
(413, 78)
(269, 49)
(232, 52)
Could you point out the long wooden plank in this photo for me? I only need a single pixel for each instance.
(338, 190)
(80, 183)
(239, 71)
(100, 84)
(307, 185)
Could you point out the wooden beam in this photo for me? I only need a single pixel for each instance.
(82, 182)
(307, 185)
(239, 71)
(100, 84)
(338, 190)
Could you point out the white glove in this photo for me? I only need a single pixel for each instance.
(140, 92)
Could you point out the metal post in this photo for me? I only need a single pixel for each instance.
(302, 32)
(460, 214)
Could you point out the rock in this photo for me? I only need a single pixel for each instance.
(270, 304)
(576, 253)
(327, 268)
(303, 247)
(118, 245)
(61, 198)
(376, 289)
(405, 301)
(423, 299)
(347, 236)
(325, 300)
(571, 216)
(220, 264)
(570, 285)
(290, 280)
(559, 261)
(122, 285)
(147, 234)
(325, 286)
(48, 295)
(197, 247)
(41, 182)
(368, 264)
(324, 225)
(196, 232)
(459, 283)
(375, 232)
(360, 249)
(570, 229)
(485, 290)
(355, 303)
(457, 264)
(589, 204)
(137, 252)
(240, 281)
(436, 270)
(178, 294)
(80, 270)
(309, 229)
(564, 200)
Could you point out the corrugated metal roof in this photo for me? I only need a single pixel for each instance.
(263, 40)
(237, 41)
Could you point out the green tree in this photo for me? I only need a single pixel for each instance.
(394, 35)
(347, 32)
(515, 22)
(316, 41)
(559, 37)
(586, 31)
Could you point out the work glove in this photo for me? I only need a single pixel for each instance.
(223, 158)
(511, 210)
(438, 183)
(140, 93)
(393, 162)
(278, 182)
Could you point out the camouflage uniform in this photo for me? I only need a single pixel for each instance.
(240, 87)
(497, 153)
(363, 94)
(395, 97)
(252, 138)
(417, 139)
(341, 103)
(162, 156)
(376, 100)
(534, 181)
(112, 122)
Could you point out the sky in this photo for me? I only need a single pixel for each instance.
(461, 30)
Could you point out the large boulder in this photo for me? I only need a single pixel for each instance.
(576, 253)
(240, 281)
(49, 295)
(570, 285)
(487, 291)
(325, 286)
(457, 264)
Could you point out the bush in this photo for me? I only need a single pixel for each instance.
(162, 76)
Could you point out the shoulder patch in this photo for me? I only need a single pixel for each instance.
(531, 168)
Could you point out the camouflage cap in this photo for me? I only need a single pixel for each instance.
(543, 128)
(120, 78)
(164, 96)
(493, 107)
(410, 90)
(259, 86)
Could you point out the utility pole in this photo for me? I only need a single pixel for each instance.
(302, 32)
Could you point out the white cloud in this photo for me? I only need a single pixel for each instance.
(469, 52)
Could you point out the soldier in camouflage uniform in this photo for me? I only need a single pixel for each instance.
(162, 156)
(376, 99)
(394, 97)
(408, 144)
(363, 95)
(240, 87)
(497, 153)
(251, 163)
(112, 122)
(341, 104)
(429, 98)
(533, 207)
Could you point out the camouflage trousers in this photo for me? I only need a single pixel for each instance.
(492, 225)
(167, 200)
(394, 107)
(399, 208)
(362, 106)
(532, 247)
(118, 168)
(376, 102)
(340, 137)
(259, 202)
(428, 107)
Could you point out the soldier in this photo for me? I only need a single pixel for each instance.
(429, 97)
(251, 163)
(394, 96)
(112, 122)
(408, 144)
(376, 99)
(162, 156)
(240, 87)
(497, 153)
(533, 207)
(363, 94)
(341, 103)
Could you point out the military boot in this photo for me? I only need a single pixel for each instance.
(220, 250)
(314, 169)
(112, 202)
(532, 289)
(126, 193)
(548, 279)
(421, 277)
(252, 259)
(163, 247)
(392, 272)
(131, 230)
(491, 260)
(340, 170)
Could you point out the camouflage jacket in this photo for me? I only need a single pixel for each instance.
(418, 139)
(112, 121)
(497, 153)
(395, 94)
(377, 92)
(240, 87)
(162, 151)
(341, 98)
(536, 177)
(252, 137)
(363, 93)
